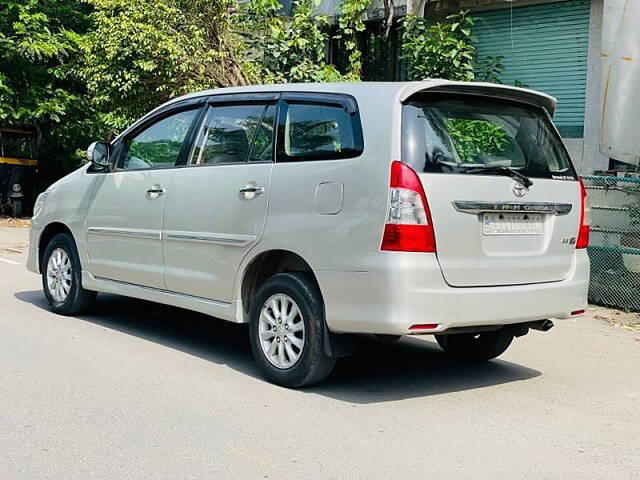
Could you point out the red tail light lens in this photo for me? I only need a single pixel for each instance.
(583, 232)
(408, 227)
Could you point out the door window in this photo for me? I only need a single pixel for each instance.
(228, 132)
(158, 145)
(313, 131)
(262, 148)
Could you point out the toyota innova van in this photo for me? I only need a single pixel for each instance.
(315, 212)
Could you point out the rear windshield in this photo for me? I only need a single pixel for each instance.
(454, 134)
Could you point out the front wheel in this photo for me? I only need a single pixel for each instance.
(62, 277)
(476, 346)
(287, 331)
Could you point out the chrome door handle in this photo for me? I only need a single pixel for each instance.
(252, 189)
(156, 190)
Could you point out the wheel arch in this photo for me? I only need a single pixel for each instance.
(266, 264)
(50, 231)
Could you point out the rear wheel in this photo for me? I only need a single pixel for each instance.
(287, 331)
(61, 277)
(476, 346)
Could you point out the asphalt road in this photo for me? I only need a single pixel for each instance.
(139, 390)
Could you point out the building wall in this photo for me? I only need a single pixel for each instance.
(591, 158)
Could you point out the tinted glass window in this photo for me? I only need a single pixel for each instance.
(16, 145)
(317, 132)
(447, 134)
(262, 148)
(227, 133)
(160, 144)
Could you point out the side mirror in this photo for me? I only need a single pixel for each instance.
(98, 154)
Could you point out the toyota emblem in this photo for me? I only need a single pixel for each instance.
(519, 190)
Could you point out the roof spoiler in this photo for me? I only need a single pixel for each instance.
(503, 92)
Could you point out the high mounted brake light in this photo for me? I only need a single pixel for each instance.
(408, 227)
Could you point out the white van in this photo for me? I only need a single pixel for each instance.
(313, 212)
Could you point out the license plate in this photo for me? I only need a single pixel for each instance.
(511, 224)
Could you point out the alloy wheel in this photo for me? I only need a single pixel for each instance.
(59, 275)
(281, 331)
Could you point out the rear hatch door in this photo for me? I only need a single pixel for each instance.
(493, 226)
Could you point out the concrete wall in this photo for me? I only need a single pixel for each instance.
(591, 158)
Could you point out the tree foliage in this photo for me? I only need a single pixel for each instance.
(285, 49)
(351, 23)
(39, 88)
(443, 50)
(142, 53)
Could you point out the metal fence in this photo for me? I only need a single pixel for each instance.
(614, 247)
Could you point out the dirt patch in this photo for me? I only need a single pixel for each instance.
(616, 318)
(15, 222)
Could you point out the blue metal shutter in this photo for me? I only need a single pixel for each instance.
(546, 48)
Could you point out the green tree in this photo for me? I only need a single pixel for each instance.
(351, 24)
(285, 49)
(443, 50)
(142, 53)
(39, 54)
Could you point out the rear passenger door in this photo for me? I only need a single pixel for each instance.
(219, 203)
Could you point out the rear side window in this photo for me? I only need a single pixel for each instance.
(317, 131)
(228, 132)
(449, 134)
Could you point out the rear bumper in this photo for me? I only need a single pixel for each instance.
(406, 289)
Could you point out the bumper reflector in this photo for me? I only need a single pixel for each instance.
(578, 312)
(424, 326)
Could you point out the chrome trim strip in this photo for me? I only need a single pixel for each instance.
(217, 238)
(519, 207)
(160, 290)
(126, 232)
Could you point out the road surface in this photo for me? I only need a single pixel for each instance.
(139, 391)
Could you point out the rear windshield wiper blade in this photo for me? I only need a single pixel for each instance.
(526, 181)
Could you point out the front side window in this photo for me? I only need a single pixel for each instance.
(228, 132)
(314, 131)
(158, 145)
(449, 134)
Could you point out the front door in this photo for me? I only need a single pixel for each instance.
(124, 222)
(219, 203)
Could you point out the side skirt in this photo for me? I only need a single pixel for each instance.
(223, 310)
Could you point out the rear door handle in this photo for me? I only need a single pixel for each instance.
(252, 189)
(156, 190)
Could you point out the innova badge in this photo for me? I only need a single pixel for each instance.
(519, 190)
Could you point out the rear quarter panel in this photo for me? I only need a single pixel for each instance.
(349, 239)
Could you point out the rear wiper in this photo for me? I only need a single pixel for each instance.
(526, 181)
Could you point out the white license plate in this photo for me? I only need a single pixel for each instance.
(511, 224)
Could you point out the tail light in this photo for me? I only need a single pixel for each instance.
(583, 232)
(409, 227)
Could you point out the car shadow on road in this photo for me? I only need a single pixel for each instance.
(377, 372)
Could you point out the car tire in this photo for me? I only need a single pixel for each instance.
(476, 346)
(288, 344)
(62, 277)
(17, 209)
